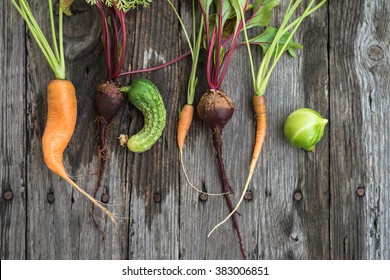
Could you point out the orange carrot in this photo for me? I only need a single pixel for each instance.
(260, 108)
(185, 120)
(60, 125)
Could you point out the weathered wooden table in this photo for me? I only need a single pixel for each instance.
(331, 204)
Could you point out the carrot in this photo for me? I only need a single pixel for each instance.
(260, 108)
(60, 125)
(185, 120)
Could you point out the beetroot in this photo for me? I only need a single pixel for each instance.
(109, 100)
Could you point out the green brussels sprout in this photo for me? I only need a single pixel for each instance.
(304, 128)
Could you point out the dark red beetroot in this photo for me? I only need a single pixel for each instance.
(109, 100)
(216, 109)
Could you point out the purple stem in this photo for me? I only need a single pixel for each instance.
(228, 58)
(115, 37)
(107, 45)
(219, 41)
(209, 60)
(124, 38)
(155, 67)
(231, 50)
(206, 23)
(217, 141)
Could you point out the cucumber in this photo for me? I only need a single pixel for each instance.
(145, 96)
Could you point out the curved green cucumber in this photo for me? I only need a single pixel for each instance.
(145, 96)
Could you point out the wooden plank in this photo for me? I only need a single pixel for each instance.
(342, 73)
(64, 229)
(125, 181)
(360, 130)
(13, 137)
(153, 176)
(274, 226)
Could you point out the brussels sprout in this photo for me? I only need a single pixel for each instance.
(304, 128)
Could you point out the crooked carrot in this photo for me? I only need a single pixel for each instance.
(60, 126)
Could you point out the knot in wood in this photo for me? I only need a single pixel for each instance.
(375, 53)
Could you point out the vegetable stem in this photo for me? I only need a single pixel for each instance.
(155, 67)
(275, 51)
(53, 33)
(247, 43)
(61, 42)
(55, 59)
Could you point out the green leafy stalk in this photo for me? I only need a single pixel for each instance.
(276, 49)
(194, 46)
(240, 12)
(55, 58)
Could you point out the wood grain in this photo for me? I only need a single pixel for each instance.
(13, 185)
(360, 130)
(330, 204)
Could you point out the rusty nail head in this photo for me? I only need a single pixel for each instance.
(360, 191)
(8, 195)
(157, 197)
(298, 196)
(105, 198)
(248, 195)
(50, 197)
(203, 197)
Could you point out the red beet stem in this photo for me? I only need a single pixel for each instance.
(217, 141)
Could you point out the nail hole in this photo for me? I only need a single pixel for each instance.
(8, 195)
(50, 197)
(248, 195)
(105, 198)
(203, 197)
(157, 197)
(298, 196)
(361, 191)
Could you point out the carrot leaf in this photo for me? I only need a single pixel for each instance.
(65, 6)
(266, 38)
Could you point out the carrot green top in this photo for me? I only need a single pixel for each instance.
(194, 46)
(54, 55)
(281, 42)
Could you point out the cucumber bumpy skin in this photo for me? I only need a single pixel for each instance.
(145, 96)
